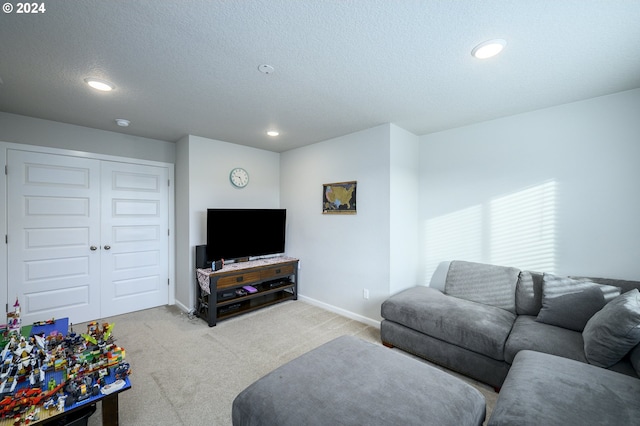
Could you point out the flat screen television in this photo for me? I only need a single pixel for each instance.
(244, 233)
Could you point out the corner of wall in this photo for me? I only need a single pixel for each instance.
(403, 213)
(184, 257)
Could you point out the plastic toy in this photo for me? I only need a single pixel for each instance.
(14, 323)
(80, 389)
(114, 387)
(43, 372)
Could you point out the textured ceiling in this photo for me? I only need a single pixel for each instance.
(191, 67)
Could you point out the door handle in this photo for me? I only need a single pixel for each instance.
(107, 247)
(93, 248)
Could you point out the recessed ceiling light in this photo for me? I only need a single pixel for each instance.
(122, 122)
(489, 48)
(273, 133)
(98, 84)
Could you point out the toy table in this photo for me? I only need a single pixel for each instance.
(52, 415)
(109, 409)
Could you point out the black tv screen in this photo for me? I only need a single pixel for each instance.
(241, 233)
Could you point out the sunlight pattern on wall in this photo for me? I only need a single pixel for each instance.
(523, 229)
(517, 230)
(457, 235)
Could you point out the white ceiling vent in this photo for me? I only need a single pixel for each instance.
(266, 69)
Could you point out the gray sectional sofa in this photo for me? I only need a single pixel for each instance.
(486, 314)
(487, 318)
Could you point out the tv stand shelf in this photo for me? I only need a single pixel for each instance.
(220, 293)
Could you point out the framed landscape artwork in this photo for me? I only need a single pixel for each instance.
(339, 198)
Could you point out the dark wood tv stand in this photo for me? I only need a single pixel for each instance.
(274, 278)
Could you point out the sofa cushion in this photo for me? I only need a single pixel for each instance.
(487, 284)
(543, 389)
(529, 293)
(480, 328)
(570, 303)
(634, 358)
(527, 333)
(472, 364)
(624, 366)
(613, 331)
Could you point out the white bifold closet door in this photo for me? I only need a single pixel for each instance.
(135, 240)
(87, 238)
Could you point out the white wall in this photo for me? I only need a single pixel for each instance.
(583, 155)
(34, 131)
(403, 220)
(203, 182)
(340, 255)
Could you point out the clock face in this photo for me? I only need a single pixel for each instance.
(239, 177)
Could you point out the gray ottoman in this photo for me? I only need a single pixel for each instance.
(352, 382)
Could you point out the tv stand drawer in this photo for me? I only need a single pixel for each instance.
(276, 271)
(238, 279)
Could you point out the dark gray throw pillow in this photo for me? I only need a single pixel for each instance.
(570, 303)
(613, 331)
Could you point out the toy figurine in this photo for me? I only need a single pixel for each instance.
(14, 322)
(60, 403)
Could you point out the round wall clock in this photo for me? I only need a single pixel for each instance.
(239, 177)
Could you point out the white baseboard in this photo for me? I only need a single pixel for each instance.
(340, 311)
(330, 308)
(182, 307)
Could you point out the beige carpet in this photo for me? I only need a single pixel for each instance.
(186, 373)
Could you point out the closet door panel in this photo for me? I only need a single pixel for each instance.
(53, 223)
(135, 239)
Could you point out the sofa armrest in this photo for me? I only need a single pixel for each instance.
(439, 276)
